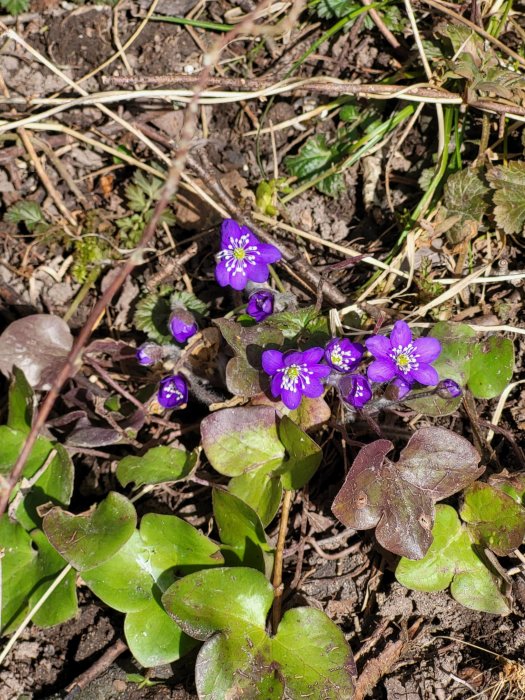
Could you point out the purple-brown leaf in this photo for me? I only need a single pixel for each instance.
(398, 498)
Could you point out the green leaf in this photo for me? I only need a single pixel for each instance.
(152, 316)
(398, 498)
(62, 603)
(241, 529)
(332, 185)
(308, 657)
(164, 548)
(89, 540)
(306, 323)
(314, 157)
(303, 455)
(55, 484)
(243, 370)
(328, 9)
(190, 301)
(457, 346)
(176, 546)
(237, 440)
(154, 638)
(495, 518)
(24, 212)
(261, 490)
(465, 197)
(156, 466)
(453, 560)
(491, 367)
(27, 572)
(508, 181)
(20, 410)
(511, 484)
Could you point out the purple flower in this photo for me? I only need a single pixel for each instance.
(400, 388)
(355, 390)
(400, 356)
(173, 391)
(260, 305)
(448, 389)
(342, 355)
(295, 374)
(148, 354)
(242, 256)
(182, 324)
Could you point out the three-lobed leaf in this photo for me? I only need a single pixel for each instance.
(308, 656)
(453, 559)
(398, 498)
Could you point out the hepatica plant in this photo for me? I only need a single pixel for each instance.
(265, 379)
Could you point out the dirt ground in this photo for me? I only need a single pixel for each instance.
(444, 651)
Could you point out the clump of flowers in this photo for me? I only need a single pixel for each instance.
(295, 374)
(173, 391)
(399, 359)
(242, 256)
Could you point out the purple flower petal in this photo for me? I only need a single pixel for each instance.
(293, 358)
(401, 387)
(268, 253)
(229, 229)
(276, 385)
(312, 356)
(182, 325)
(291, 399)
(258, 272)
(378, 345)
(424, 374)
(382, 370)
(272, 360)
(427, 349)
(356, 390)
(320, 371)
(313, 389)
(238, 280)
(221, 274)
(401, 335)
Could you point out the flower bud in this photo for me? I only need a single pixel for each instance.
(260, 304)
(355, 390)
(182, 324)
(448, 389)
(148, 354)
(173, 391)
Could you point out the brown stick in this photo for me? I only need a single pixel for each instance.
(278, 563)
(98, 668)
(327, 87)
(168, 191)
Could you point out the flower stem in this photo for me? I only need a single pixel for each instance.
(278, 563)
